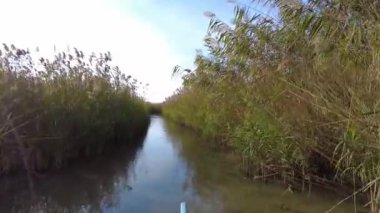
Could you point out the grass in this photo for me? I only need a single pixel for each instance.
(297, 97)
(68, 107)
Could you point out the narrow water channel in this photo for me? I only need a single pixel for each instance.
(170, 165)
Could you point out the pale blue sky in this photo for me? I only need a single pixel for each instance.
(147, 38)
(182, 22)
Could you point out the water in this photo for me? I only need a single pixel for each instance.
(171, 165)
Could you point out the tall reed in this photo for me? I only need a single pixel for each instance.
(70, 106)
(297, 97)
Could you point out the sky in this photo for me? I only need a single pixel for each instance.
(146, 38)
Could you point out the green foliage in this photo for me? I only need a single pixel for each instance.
(54, 110)
(299, 95)
(155, 108)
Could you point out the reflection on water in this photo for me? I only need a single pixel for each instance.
(87, 186)
(170, 166)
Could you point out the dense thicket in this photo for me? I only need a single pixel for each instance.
(154, 108)
(297, 97)
(54, 110)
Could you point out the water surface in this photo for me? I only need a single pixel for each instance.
(170, 165)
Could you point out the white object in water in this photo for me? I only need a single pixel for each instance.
(183, 207)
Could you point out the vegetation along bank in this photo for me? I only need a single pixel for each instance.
(297, 97)
(68, 107)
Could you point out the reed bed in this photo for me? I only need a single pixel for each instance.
(297, 96)
(53, 110)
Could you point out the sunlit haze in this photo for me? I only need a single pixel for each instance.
(147, 38)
